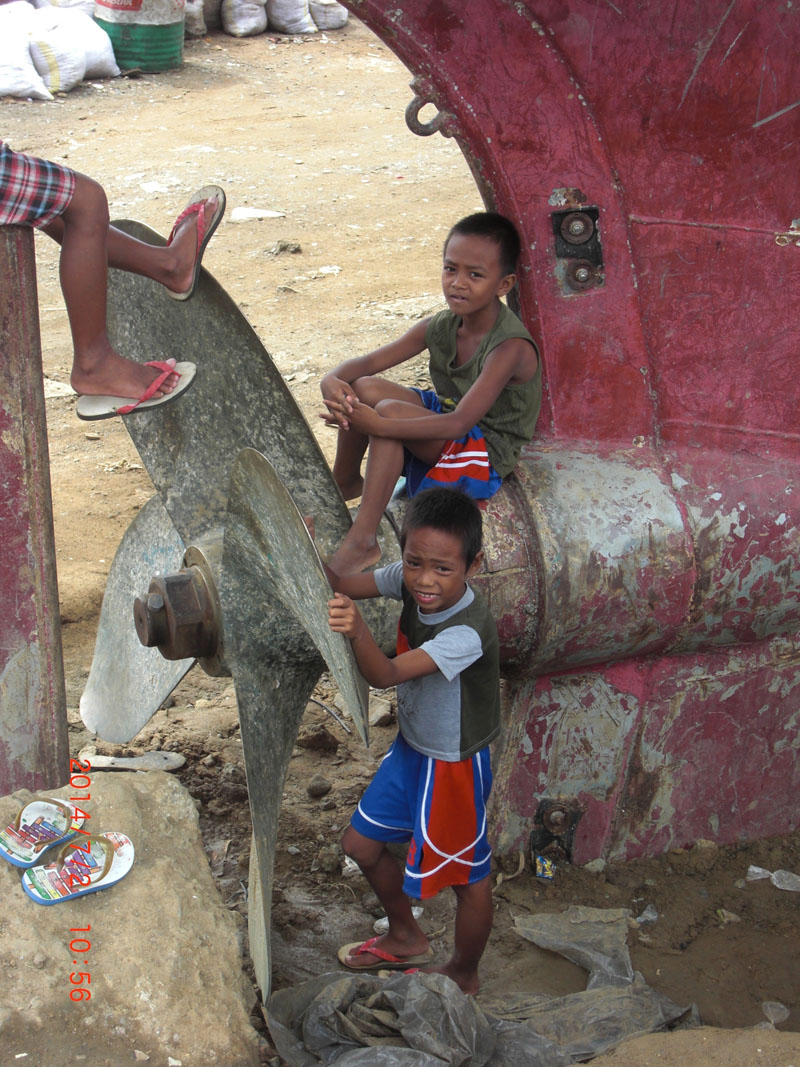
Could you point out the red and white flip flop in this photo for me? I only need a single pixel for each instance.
(205, 231)
(92, 408)
(382, 960)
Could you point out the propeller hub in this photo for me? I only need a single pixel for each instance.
(179, 616)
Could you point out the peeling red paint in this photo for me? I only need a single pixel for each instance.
(34, 750)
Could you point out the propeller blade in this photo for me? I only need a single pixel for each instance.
(237, 400)
(293, 570)
(275, 667)
(128, 682)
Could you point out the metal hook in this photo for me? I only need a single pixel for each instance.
(442, 122)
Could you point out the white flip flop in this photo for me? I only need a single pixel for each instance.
(92, 408)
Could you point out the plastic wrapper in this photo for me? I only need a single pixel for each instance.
(424, 1020)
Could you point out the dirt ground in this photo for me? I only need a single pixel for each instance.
(313, 128)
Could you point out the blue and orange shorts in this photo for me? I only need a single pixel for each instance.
(464, 464)
(439, 807)
(33, 191)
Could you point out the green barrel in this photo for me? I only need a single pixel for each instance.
(145, 47)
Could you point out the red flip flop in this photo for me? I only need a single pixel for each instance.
(92, 408)
(205, 231)
(382, 960)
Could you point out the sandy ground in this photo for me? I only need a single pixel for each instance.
(313, 128)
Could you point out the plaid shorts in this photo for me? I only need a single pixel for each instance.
(33, 191)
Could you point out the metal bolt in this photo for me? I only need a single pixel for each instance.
(556, 820)
(581, 274)
(577, 227)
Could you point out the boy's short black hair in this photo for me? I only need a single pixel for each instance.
(450, 511)
(498, 229)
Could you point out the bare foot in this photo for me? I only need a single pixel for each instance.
(115, 376)
(467, 982)
(354, 556)
(179, 272)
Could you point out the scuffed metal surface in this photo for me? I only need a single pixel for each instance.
(717, 755)
(616, 561)
(660, 751)
(127, 682)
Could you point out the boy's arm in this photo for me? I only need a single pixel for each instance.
(513, 359)
(360, 586)
(335, 384)
(380, 671)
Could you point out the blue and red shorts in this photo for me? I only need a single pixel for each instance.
(33, 191)
(439, 807)
(464, 464)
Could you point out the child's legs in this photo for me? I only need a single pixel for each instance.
(474, 918)
(97, 367)
(83, 268)
(453, 849)
(384, 466)
(386, 812)
(351, 445)
(385, 876)
(171, 265)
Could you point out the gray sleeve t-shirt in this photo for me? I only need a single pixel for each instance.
(435, 712)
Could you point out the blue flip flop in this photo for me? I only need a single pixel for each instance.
(40, 825)
(96, 862)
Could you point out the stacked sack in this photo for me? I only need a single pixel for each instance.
(243, 18)
(50, 49)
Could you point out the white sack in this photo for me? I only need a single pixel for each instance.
(71, 33)
(100, 61)
(86, 6)
(327, 14)
(57, 48)
(243, 18)
(195, 24)
(290, 16)
(18, 75)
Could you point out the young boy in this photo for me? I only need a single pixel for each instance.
(468, 431)
(432, 787)
(73, 210)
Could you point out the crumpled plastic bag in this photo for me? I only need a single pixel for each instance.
(582, 1025)
(419, 1019)
(594, 938)
(424, 1020)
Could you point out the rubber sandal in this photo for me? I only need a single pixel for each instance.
(99, 862)
(92, 408)
(40, 825)
(383, 960)
(205, 231)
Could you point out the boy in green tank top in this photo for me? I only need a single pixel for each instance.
(468, 431)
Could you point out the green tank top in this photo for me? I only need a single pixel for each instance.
(510, 421)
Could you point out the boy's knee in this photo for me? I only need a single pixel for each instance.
(89, 200)
(366, 388)
(350, 842)
(360, 849)
(389, 407)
